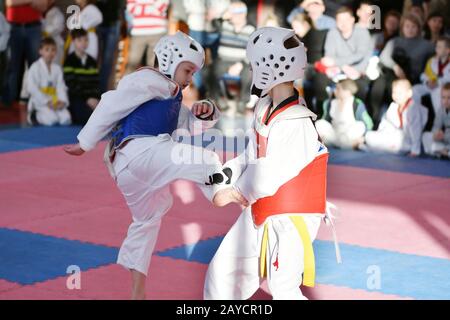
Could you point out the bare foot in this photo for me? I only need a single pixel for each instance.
(226, 196)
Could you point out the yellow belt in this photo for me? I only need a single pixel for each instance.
(50, 91)
(309, 272)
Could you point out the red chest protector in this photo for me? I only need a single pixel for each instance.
(305, 193)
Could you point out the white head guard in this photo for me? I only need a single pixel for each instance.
(276, 55)
(171, 50)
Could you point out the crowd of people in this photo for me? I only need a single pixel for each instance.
(377, 75)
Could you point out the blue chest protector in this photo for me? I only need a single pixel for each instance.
(151, 118)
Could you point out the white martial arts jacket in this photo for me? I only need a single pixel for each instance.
(44, 85)
(293, 149)
(132, 91)
(410, 120)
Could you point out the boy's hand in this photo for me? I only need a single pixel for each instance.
(202, 109)
(74, 150)
(226, 196)
(432, 84)
(92, 103)
(438, 135)
(59, 104)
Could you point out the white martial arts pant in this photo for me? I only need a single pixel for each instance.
(144, 180)
(391, 140)
(49, 117)
(234, 272)
(432, 147)
(340, 138)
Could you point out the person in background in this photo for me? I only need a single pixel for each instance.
(24, 16)
(90, 18)
(437, 142)
(4, 37)
(345, 119)
(401, 128)
(108, 35)
(82, 77)
(48, 92)
(53, 26)
(436, 74)
(348, 49)
(391, 28)
(234, 35)
(315, 10)
(147, 22)
(434, 27)
(314, 41)
(203, 19)
(403, 57)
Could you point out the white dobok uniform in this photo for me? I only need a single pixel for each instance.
(234, 272)
(145, 166)
(46, 85)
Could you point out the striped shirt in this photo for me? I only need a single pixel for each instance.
(147, 17)
(233, 44)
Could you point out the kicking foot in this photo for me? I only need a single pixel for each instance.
(229, 195)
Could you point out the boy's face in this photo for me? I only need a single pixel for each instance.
(81, 44)
(401, 93)
(345, 22)
(341, 93)
(48, 53)
(364, 12)
(410, 29)
(184, 73)
(445, 99)
(442, 50)
(391, 24)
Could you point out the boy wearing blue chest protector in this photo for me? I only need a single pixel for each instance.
(142, 115)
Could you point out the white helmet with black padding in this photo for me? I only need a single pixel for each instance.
(276, 56)
(171, 50)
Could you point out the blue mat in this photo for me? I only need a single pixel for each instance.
(27, 258)
(17, 139)
(400, 274)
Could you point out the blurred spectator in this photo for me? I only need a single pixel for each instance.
(403, 57)
(203, 19)
(437, 142)
(108, 35)
(315, 10)
(345, 119)
(314, 41)
(25, 37)
(90, 18)
(148, 22)
(417, 9)
(82, 78)
(366, 16)
(391, 27)
(437, 73)
(347, 53)
(234, 35)
(402, 125)
(54, 25)
(48, 92)
(434, 27)
(4, 37)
